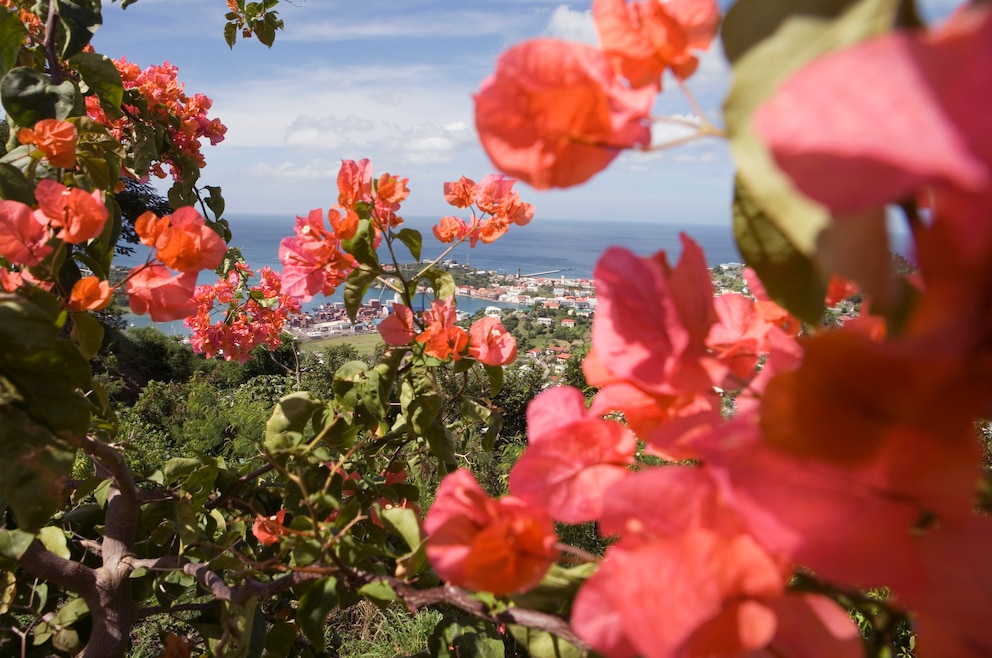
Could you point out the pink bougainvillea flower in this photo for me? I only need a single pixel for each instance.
(573, 457)
(269, 529)
(686, 577)
(490, 343)
(644, 38)
(398, 329)
(554, 113)
(312, 260)
(79, 215)
(499, 546)
(829, 140)
(187, 244)
(55, 139)
(164, 296)
(23, 234)
(461, 193)
(740, 337)
(354, 182)
(10, 281)
(442, 338)
(90, 294)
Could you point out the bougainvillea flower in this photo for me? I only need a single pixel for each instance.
(149, 227)
(187, 244)
(10, 281)
(79, 215)
(312, 260)
(830, 140)
(644, 38)
(652, 319)
(461, 193)
(23, 234)
(490, 343)
(398, 329)
(268, 529)
(442, 338)
(354, 182)
(90, 294)
(554, 113)
(55, 139)
(450, 228)
(740, 337)
(499, 546)
(686, 578)
(164, 296)
(573, 458)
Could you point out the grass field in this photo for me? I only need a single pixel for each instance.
(364, 343)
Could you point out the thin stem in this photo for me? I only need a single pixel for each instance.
(696, 107)
(578, 552)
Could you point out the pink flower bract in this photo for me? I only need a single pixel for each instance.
(554, 113)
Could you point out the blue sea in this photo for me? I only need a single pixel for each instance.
(557, 247)
(553, 246)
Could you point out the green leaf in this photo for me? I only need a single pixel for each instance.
(315, 604)
(465, 636)
(100, 76)
(280, 640)
(14, 185)
(98, 154)
(413, 240)
(495, 374)
(360, 245)
(34, 468)
(403, 521)
(285, 429)
(12, 35)
(54, 540)
(13, 543)
(87, 334)
(379, 591)
(230, 34)
(29, 95)
(421, 404)
(81, 19)
(355, 287)
(791, 278)
(767, 41)
(215, 201)
(542, 644)
(442, 282)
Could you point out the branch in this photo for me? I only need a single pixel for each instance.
(42, 563)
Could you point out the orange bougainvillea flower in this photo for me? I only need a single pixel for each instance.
(554, 113)
(80, 215)
(268, 529)
(499, 546)
(55, 139)
(187, 244)
(442, 338)
(90, 294)
(451, 228)
(461, 193)
(644, 38)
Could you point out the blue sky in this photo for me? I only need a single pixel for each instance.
(392, 80)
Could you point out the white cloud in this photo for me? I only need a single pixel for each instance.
(571, 25)
(310, 170)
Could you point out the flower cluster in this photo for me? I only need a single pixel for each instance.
(182, 242)
(254, 316)
(498, 204)
(184, 117)
(555, 113)
(487, 341)
(313, 261)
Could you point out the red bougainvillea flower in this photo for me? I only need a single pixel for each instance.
(10, 281)
(23, 234)
(685, 573)
(268, 529)
(554, 113)
(79, 215)
(573, 457)
(55, 139)
(184, 242)
(398, 329)
(499, 546)
(90, 294)
(490, 343)
(646, 37)
(312, 260)
(354, 182)
(442, 338)
(164, 296)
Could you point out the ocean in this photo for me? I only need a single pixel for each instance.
(552, 246)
